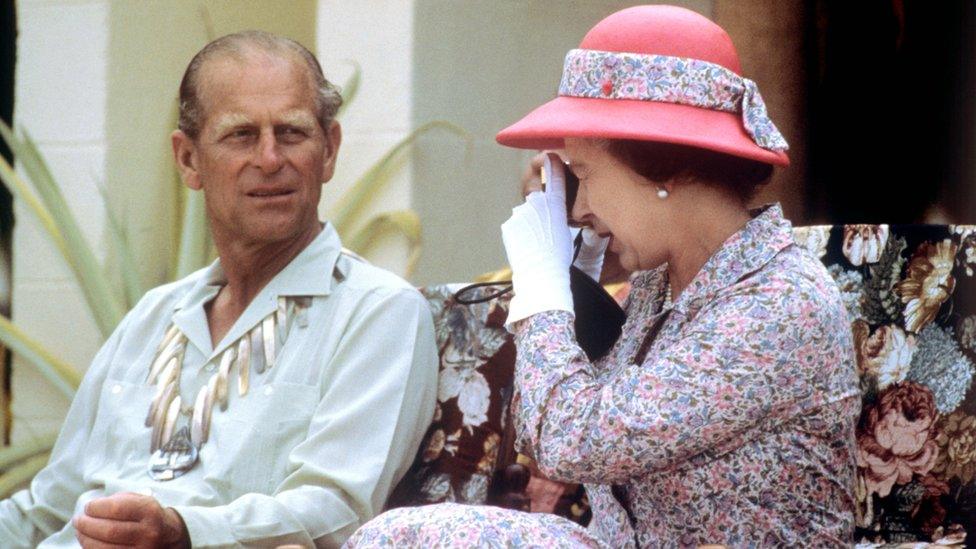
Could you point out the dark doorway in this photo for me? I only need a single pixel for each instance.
(8, 56)
(892, 111)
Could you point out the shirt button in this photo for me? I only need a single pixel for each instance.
(268, 390)
(116, 389)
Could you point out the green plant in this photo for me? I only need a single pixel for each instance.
(41, 193)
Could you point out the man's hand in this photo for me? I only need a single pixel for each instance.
(130, 520)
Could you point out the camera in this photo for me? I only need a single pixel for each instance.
(572, 186)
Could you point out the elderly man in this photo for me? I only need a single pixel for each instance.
(274, 397)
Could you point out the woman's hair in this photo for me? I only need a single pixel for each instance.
(661, 162)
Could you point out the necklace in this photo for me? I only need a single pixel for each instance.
(658, 321)
(173, 454)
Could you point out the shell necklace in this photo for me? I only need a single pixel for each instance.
(173, 454)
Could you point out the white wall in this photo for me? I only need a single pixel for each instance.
(61, 95)
(376, 34)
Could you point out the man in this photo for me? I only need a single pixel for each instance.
(274, 397)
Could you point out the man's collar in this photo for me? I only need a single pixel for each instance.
(311, 273)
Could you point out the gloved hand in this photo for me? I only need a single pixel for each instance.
(590, 258)
(540, 250)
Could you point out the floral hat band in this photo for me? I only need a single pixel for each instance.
(681, 80)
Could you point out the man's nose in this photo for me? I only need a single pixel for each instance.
(268, 156)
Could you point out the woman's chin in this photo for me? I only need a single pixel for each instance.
(629, 262)
(634, 262)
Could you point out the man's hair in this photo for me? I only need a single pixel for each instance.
(239, 44)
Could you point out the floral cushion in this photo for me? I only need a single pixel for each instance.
(911, 295)
(460, 451)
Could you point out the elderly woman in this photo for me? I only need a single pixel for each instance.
(725, 412)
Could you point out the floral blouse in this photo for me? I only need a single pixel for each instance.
(728, 418)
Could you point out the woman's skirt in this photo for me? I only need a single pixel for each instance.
(455, 525)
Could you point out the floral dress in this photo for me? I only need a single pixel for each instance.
(727, 418)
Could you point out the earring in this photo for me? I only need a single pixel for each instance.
(662, 193)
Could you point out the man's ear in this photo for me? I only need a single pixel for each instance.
(185, 154)
(333, 138)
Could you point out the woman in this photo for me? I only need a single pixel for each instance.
(725, 413)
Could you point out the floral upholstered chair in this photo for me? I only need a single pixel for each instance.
(911, 295)
(467, 445)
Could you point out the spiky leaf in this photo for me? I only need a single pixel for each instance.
(403, 222)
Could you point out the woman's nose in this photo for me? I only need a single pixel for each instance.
(579, 213)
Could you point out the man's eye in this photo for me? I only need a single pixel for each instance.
(291, 133)
(240, 134)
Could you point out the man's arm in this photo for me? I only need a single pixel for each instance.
(46, 506)
(362, 437)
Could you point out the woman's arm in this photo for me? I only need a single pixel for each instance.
(747, 360)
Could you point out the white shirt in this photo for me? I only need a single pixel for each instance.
(308, 454)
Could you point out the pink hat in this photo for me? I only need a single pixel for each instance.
(655, 73)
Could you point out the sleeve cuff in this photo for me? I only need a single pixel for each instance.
(207, 526)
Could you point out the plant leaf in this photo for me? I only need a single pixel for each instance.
(65, 378)
(351, 87)
(194, 244)
(106, 308)
(207, 20)
(28, 156)
(19, 475)
(22, 191)
(404, 222)
(11, 455)
(127, 261)
(346, 210)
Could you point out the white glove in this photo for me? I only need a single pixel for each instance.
(590, 258)
(539, 248)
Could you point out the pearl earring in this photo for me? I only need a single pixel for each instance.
(662, 193)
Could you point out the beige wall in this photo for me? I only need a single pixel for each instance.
(96, 85)
(484, 65)
(769, 38)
